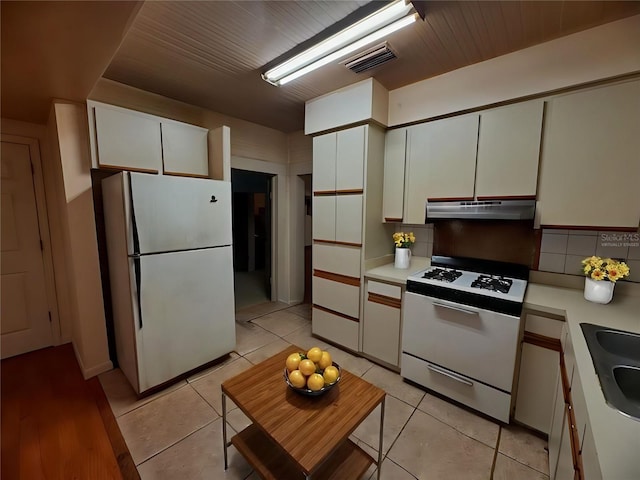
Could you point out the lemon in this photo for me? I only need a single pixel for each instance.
(315, 382)
(307, 367)
(297, 379)
(293, 361)
(314, 354)
(330, 374)
(325, 360)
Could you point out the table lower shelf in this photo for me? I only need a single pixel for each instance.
(271, 463)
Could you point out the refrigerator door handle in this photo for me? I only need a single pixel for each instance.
(138, 271)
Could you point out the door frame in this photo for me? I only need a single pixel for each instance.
(43, 224)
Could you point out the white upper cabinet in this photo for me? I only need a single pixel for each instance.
(184, 149)
(130, 140)
(508, 150)
(590, 164)
(350, 153)
(395, 149)
(324, 163)
(441, 162)
(338, 161)
(127, 139)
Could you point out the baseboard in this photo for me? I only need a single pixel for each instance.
(94, 370)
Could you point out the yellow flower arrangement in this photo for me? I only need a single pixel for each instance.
(403, 240)
(604, 269)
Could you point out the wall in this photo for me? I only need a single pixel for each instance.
(68, 137)
(602, 52)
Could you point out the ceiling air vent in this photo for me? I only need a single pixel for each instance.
(370, 58)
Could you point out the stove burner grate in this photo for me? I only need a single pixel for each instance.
(496, 284)
(442, 274)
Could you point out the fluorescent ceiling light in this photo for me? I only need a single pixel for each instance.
(375, 26)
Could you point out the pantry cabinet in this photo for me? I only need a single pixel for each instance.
(129, 140)
(347, 182)
(395, 149)
(381, 325)
(589, 166)
(509, 151)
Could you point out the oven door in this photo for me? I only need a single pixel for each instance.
(476, 343)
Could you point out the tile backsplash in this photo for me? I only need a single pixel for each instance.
(424, 238)
(562, 251)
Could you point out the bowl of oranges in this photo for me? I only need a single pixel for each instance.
(312, 372)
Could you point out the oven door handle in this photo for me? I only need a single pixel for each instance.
(468, 311)
(453, 376)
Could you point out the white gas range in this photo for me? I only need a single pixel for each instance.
(461, 326)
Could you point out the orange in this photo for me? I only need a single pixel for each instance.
(330, 374)
(315, 382)
(307, 367)
(293, 361)
(314, 354)
(325, 360)
(297, 379)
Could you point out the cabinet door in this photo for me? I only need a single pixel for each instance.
(508, 150)
(590, 463)
(324, 218)
(557, 427)
(393, 188)
(350, 146)
(565, 469)
(539, 369)
(441, 163)
(184, 149)
(127, 140)
(324, 163)
(348, 219)
(590, 170)
(381, 330)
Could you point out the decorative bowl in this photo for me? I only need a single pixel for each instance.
(313, 393)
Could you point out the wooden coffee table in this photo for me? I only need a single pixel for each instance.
(295, 436)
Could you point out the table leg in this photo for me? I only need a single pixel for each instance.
(381, 431)
(224, 428)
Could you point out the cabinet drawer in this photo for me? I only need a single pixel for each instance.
(393, 291)
(381, 332)
(339, 259)
(337, 296)
(335, 328)
(466, 391)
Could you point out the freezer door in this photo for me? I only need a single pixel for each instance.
(187, 312)
(178, 213)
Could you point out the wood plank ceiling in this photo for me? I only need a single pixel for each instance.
(211, 53)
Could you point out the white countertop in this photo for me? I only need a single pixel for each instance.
(388, 273)
(617, 438)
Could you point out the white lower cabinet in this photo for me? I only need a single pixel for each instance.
(539, 370)
(381, 326)
(565, 469)
(589, 457)
(335, 328)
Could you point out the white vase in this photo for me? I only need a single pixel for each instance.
(598, 291)
(403, 258)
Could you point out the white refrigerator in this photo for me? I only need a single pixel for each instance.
(171, 273)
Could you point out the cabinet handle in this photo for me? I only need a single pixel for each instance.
(456, 308)
(453, 376)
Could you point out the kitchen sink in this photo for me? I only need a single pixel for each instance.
(616, 358)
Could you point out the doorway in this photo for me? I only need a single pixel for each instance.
(252, 234)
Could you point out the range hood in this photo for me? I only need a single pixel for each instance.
(481, 210)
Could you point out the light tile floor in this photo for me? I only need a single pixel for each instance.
(177, 433)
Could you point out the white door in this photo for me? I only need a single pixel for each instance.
(25, 322)
(180, 213)
(188, 312)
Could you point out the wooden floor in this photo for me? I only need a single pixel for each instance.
(56, 425)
